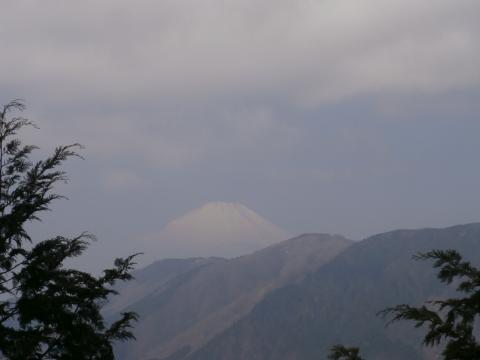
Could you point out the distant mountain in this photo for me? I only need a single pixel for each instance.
(215, 229)
(151, 278)
(338, 303)
(206, 297)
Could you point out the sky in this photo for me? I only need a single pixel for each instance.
(349, 117)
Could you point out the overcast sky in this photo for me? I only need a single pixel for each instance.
(350, 117)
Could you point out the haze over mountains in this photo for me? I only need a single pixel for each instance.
(339, 302)
(184, 303)
(215, 229)
(292, 300)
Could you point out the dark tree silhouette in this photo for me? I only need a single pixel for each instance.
(340, 352)
(47, 311)
(450, 322)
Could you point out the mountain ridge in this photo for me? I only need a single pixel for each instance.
(187, 311)
(338, 302)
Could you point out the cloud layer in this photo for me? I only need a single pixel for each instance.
(297, 51)
(166, 78)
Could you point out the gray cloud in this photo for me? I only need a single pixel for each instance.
(308, 52)
(165, 79)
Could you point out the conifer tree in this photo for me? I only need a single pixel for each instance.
(47, 311)
(450, 323)
(452, 320)
(340, 352)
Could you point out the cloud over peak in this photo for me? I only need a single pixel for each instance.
(303, 52)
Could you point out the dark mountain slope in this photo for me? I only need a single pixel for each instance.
(192, 308)
(151, 278)
(339, 302)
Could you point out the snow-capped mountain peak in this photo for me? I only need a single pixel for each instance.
(218, 229)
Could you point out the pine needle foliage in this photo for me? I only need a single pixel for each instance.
(340, 352)
(449, 323)
(47, 311)
(452, 320)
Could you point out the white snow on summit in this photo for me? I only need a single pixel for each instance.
(217, 229)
